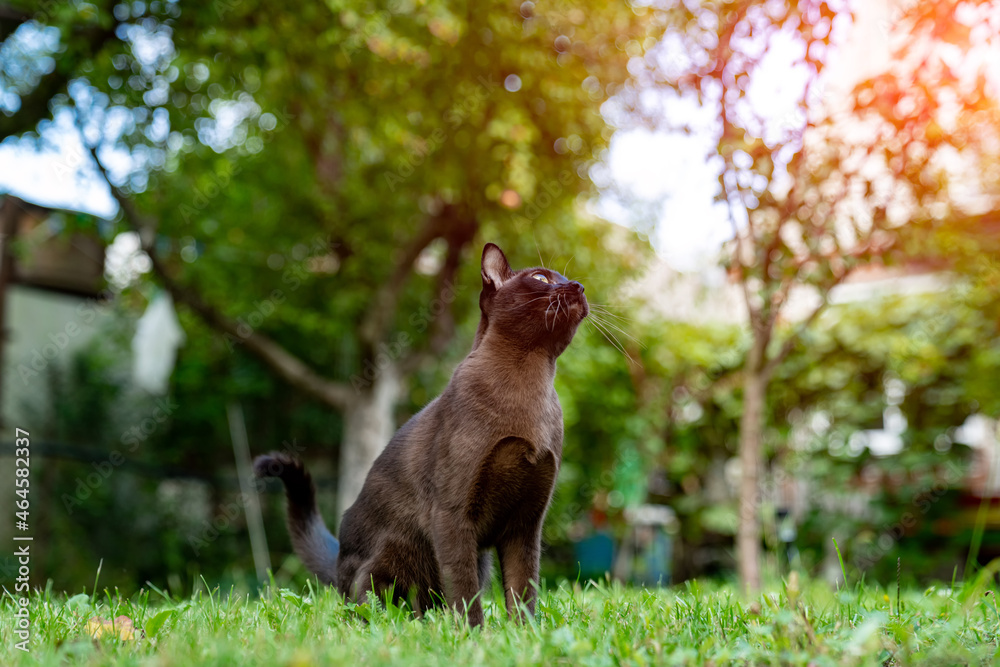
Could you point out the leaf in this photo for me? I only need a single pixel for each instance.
(78, 603)
(154, 624)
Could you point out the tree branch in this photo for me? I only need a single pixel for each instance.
(718, 72)
(729, 380)
(376, 320)
(789, 344)
(284, 364)
(443, 328)
(452, 225)
(11, 19)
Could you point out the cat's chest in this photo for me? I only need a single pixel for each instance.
(495, 401)
(535, 416)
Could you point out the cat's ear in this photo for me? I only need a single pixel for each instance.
(496, 268)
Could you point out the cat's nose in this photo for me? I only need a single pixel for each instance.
(577, 287)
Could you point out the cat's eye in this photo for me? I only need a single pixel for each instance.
(540, 276)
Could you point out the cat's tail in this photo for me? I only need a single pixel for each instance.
(315, 546)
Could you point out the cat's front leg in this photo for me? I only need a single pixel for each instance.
(520, 553)
(458, 557)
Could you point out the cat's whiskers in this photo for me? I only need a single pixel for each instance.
(611, 338)
(608, 336)
(547, 317)
(611, 324)
(538, 250)
(609, 309)
(602, 318)
(611, 318)
(615, 321)
(530, 301)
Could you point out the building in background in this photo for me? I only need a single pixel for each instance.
(51, 304)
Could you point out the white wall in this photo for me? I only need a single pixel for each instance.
(44, 329)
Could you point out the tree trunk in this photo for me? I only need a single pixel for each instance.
(751, 435)
(368, 426)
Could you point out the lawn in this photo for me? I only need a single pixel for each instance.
(595, 624)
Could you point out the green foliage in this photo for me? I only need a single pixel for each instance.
(355, 126)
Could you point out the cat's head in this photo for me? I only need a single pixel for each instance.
(529, 309)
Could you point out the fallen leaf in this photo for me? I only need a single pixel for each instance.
(120, 628)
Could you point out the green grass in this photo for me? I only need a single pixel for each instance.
(699, 623)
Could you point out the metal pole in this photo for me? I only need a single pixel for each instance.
(244, 470)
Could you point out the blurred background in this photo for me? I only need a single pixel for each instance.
(236, 226)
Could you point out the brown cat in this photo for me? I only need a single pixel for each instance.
(473, 470)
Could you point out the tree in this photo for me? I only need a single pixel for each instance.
(808, 202)
(766, 180)
(382, 140)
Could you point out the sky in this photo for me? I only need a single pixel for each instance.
(677, 168)
(671, 172)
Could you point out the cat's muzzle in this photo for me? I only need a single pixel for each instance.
(575, 301)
